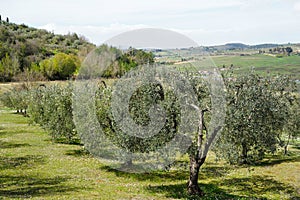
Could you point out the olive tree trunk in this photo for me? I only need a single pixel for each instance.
(198, 156)
(193, 186)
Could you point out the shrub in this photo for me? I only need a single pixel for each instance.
(60, 67)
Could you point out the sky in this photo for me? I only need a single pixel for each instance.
(207, 22)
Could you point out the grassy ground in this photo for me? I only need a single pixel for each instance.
(31, 166)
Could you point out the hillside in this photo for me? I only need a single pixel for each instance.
(23, 48)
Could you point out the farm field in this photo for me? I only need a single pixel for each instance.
(32, 166)
(262, 63)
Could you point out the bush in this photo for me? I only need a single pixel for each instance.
(60, 67)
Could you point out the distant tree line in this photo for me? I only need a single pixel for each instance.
(279, 50)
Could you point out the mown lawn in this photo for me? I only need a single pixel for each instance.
(32, 166)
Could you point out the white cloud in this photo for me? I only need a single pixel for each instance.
(297, 6)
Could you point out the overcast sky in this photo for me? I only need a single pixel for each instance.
(208, 22)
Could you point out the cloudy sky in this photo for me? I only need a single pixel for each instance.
(208, 22)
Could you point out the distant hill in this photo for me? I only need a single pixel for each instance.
(264, 46)
(26, 46)
(241, 46)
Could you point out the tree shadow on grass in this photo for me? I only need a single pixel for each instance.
(179, 191)
(77, 153)
(27, 187)
(24, 161)
(278, 159)
(296, 146)
(157, 176)
(8, 145)
(75, 141)
(4, 132)
(206, 172)
(257, 186)
(254, 187)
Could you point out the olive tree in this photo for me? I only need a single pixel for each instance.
(17, 99)
(156, 94)
(258, 108)
(142, 120)
(51, 107)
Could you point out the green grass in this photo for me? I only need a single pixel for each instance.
(31, 166)
(262, 63)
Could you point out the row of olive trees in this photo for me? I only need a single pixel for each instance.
(259, 111)
(49, 106)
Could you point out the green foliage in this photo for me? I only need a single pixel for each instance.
(121, 62)
(30, 75)
(17, 99)
(51, 107)
(292, 126)
(257, 111)
(31, 46)
(140, 103)
(60, 67)
(9, 67)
